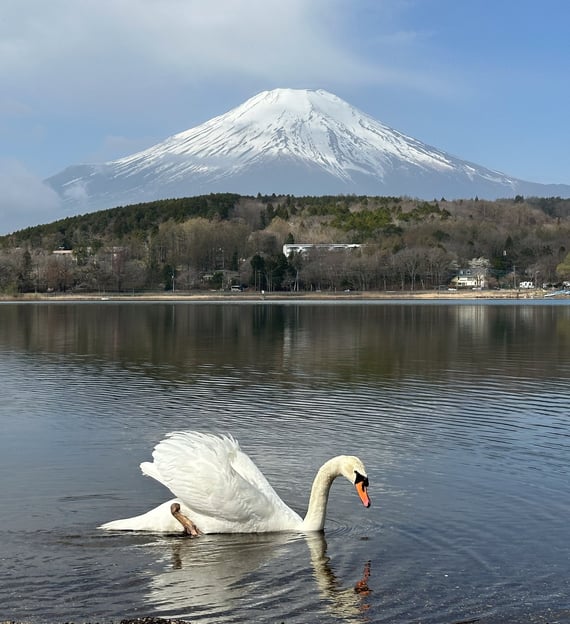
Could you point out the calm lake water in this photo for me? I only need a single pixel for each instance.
(460, 411)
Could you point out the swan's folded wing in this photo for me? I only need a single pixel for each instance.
(198, 469)
(243, 464)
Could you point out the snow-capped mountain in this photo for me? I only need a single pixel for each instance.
(288, 141)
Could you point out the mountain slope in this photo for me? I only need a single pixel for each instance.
(288, 141)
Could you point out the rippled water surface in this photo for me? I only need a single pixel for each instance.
(461, 413)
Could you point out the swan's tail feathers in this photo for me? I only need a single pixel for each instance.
(157, 520)
(118, 525)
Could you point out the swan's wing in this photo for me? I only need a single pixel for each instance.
(212, 476)
(149, 469)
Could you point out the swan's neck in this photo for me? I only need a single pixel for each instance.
(316, 513)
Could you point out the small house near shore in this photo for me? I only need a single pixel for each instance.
(470, 278)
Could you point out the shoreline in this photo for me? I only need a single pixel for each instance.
(226, 296)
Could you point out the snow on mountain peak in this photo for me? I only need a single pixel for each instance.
(308, 125)
(292, 141)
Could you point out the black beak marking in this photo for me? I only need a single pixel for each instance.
(361, 479)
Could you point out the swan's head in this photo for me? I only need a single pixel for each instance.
(353, 469)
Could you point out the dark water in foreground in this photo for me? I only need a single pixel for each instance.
(461, 413)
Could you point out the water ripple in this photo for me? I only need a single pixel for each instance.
(463, 426)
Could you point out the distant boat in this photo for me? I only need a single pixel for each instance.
(565, 291)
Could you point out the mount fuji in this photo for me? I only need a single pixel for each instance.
(287, 141)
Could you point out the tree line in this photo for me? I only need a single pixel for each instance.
(222, 240)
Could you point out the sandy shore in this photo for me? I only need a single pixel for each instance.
(285, 296)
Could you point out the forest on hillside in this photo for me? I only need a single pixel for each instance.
(218, 241)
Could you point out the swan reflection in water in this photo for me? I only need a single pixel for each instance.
(225, 577)
(346, 602)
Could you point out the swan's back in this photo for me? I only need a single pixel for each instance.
(219, 483)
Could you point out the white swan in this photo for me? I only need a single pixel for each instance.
(221, 490)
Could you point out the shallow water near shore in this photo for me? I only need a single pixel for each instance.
(460, 411)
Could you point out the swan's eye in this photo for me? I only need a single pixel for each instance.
(360, 479)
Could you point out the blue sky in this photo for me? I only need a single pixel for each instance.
(93, 80)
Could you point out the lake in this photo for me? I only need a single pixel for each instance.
(460, 412)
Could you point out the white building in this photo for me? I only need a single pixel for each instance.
(302, 248)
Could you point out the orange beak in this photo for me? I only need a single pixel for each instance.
(361, 489)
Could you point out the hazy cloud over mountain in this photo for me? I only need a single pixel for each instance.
(25, 199)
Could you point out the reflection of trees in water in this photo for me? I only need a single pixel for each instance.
(345, 341)
(220, 576)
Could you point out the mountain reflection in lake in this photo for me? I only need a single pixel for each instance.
(459, 411)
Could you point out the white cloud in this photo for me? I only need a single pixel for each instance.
(24, 199)
(105, 48)
(76, 191)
